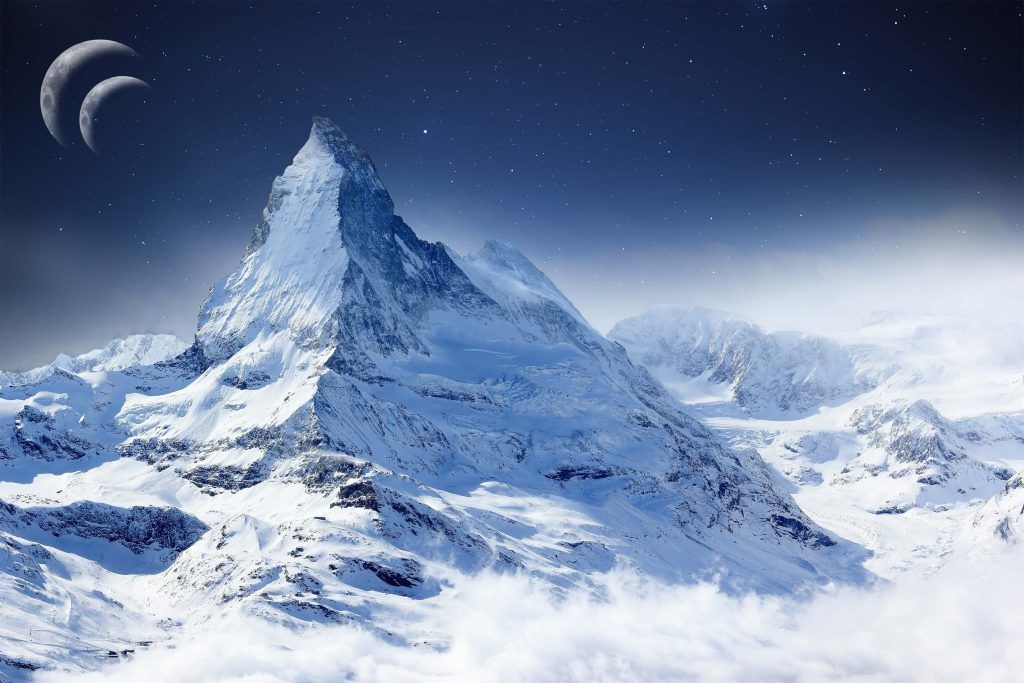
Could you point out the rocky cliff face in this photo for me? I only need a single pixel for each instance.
(140, 529)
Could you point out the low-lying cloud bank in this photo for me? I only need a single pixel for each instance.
(964, 264)
(963, 623)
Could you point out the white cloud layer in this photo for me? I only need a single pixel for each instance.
(963, 623)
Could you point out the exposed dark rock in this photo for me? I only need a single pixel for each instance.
(228, 477)
(253, 380)
(569, 472)
(795, 528)
(404, 573)
(358, 494)
(323, 472)
(37, 435)
(137, 528)
(18, 663)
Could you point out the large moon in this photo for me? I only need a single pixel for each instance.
(70, 62)
(93, 101)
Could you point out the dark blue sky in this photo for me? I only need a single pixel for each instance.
(572, 131)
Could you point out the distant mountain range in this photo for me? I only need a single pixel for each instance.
(854, 428)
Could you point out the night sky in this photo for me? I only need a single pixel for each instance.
(587, 135)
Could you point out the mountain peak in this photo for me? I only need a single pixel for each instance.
(327, 137)
(328, 247)
(322, 123)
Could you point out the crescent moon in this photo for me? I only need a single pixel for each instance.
(63, 68)
(92, 102)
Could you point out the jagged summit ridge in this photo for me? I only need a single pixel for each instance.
(327, 247)
(329, 145)
(350, 156)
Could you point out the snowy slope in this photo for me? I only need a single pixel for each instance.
(363, 416)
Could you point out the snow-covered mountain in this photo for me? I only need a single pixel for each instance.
(362, 416)
(1003, 513)
(912, 442)
(134, 350)
(768, 373)
(854, 427)
(67, 410)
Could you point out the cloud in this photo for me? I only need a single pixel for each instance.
(961, 263)
(962, 623)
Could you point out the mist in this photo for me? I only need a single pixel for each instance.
(957, 624)
(963, 263)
